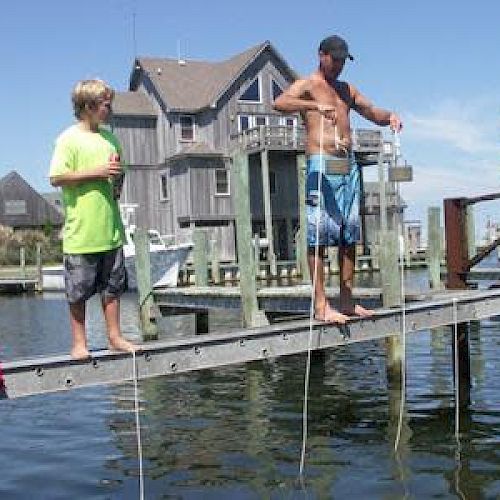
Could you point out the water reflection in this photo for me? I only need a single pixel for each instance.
(236, 432)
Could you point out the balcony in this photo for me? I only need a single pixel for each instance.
(272, 137)
(366, 142)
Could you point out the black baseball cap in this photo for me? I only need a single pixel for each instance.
(336, 47)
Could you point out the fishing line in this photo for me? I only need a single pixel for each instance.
(403, 343)
(313, 300)
(401, 245)
(138, 427)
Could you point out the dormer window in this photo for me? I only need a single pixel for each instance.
(276, 89)
(252, 93)
(187, 128)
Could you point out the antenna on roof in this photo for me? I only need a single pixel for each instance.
(134, 38)
(180, 61)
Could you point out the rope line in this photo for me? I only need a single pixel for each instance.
(138, 427)
(403, 343)
(311, 310)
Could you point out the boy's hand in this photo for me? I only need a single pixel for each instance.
(112, 168)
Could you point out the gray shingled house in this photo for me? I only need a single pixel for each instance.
(21, 207)
(179, 123)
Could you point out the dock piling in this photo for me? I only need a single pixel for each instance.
(144, 286)
(252, 317)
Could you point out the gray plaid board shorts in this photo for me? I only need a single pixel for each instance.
(90, 273)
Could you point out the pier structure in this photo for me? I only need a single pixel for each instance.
(61, 373)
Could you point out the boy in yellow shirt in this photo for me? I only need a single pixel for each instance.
(86, 165)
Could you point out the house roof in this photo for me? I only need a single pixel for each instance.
(13, 188)
(132, 104)
(194, 85)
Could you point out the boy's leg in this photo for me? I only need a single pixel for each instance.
(322, 309)
(113, 284)
(347, 259)
(111, 310)
(77, 321)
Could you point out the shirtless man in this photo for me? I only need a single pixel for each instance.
(324, 103)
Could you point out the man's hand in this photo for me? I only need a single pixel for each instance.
(395, 122)
(328, 111)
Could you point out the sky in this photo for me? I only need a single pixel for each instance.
(433, 62)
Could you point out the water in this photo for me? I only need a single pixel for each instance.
(235, 433)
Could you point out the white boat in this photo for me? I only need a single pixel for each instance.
(166, 260)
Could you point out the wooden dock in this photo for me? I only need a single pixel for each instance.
(60, 373)
(282, 299)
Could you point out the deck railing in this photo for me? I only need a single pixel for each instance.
(271, 137)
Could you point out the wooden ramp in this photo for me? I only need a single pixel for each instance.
(60, 373)
(282, 299)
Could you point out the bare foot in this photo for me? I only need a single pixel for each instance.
(120, 344)
(329, 315)
(80, 353)
(359, 310)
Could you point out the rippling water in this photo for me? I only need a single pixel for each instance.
(236, 432)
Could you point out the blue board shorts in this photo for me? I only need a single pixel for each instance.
(335, 206)
(90, 273)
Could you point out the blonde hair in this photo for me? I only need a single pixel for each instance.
(86, 93)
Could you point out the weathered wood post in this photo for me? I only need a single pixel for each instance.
(456, 242)
(252, 317)
(256, 254)
(266, 189)
(39, 269)
(200, 259)
(215, 258)
(389, 275)
(434, 247)
(471, 231)
(457, 262)
(301, 240)
(22, 261)
(144, 287)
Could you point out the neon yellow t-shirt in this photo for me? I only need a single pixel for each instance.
(92, 217)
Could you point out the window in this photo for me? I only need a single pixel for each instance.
(243, 122)
(15, 207)
(163, 186)
(250, 121)
(260, 120)
(272, 182)
(221, 181)
(276, 90)
(187, 128)
(289, 121)
(252, 93)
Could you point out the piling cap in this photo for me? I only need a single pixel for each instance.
(336, 47)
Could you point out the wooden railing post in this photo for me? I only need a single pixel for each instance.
(457, 250)
(144, 287)
(39, 269)
(457, 263)
(301, 240)
(252, 317)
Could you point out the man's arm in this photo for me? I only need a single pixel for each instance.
(376, 115)
(294, 99)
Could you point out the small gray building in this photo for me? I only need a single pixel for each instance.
(22, 207)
